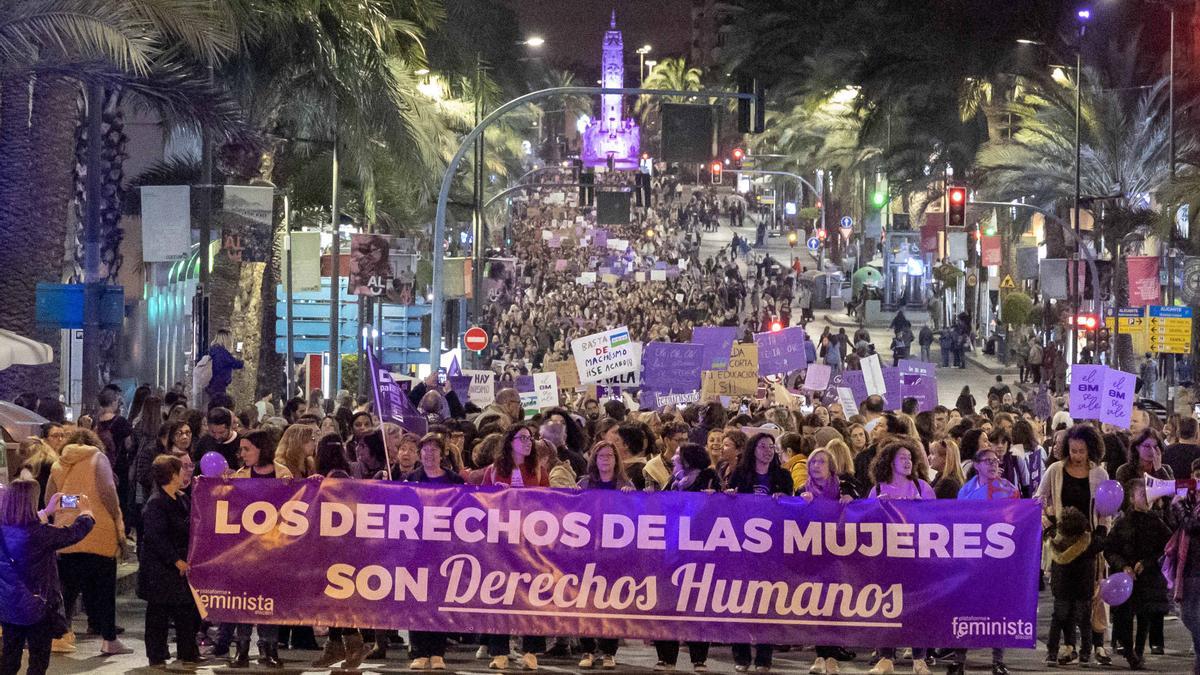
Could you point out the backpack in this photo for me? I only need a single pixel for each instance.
(21, 606)
(201, 376)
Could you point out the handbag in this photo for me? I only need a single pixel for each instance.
(21, 606)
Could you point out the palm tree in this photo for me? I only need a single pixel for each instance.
(48, 50)
(669, 73)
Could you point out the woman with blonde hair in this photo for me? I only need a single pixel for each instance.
(843, 461)
(298, 448)
(945, 459)
(36, 459)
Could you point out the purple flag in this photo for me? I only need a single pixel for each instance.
(391, 400)
(461, 384)
(781, 352)
(671, 366)
(660, 566)
(718, 345)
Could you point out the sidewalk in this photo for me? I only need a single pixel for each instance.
(881, 336)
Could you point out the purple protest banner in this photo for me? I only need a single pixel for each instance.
(911, 367)
(665, 565)
(461, 384)
(781, 352)
(523, 384)
(1117, 389)
(600, 239)
(816, 378)
(891, 383)
(653, 399)
(921, 387)
(718, 344)
(1086, 398)
(857, 383)
(672, 366)
(391, 399)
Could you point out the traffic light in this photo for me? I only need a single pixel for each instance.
(879, 199)
(717, 168)
(1084, 321)
(821, 233)
(587, 188)
(776, 325)
(738, 155)
(957, 196)
(793, 238)
(751, 113)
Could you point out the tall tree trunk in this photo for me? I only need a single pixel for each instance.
(37, 127)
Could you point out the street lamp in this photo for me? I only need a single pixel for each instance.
(642, 52)
(534, 41)
(1083, 15)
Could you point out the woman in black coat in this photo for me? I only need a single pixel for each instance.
(162, 580)
(1134, 546)
(31, 542)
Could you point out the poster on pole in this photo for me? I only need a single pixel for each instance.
(603, 355)
(370, 268)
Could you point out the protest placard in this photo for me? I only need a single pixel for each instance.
(1087, 385)
(672, 366)
(718, 344)
(817, 377)
(846, 398)
(740, 379)
(921, 387)
(913, 367)
(873, 376)
(780, 352)
(1117, 406)
(482, 391)
(568, 373)
(545, 386)
(603, 355)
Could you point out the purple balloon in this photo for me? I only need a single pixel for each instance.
(213, 464)
(1116, 589)
(1109, 497)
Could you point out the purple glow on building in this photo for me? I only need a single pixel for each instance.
(612, 135)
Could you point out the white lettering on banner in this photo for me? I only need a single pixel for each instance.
(643, 532)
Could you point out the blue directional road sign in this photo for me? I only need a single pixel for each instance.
(847, 222)
(814, 244)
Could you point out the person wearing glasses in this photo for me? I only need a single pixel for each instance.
(516, 466)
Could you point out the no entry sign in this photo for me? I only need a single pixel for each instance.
(476, 339)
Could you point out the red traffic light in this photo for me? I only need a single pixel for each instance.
(958, 195)
(776, 326)
(717, 167)
(738, 154)
(1085, 321)
(821, 234)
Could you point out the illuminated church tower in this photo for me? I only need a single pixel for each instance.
(611, 135)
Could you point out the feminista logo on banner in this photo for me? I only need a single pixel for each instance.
(666, 565)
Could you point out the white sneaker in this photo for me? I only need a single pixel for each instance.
(884, 667)
(818, 667)
(437, 663)
(419, 664)
(587, 661)
(114, 648)
(499, 663)
(481, 653)
(831, 666)
(61, 646)
(919, 667)
(529, 661)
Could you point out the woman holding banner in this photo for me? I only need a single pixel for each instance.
(429, 649)
(604, 472)
(692, 473)
(896, 470)
(516, 467)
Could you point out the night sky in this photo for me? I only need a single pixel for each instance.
(573, 29)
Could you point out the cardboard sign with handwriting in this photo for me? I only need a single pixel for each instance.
(740, 379)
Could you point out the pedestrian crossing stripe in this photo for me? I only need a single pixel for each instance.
(1007, 282)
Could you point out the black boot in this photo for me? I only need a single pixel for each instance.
(242, 660)
(268, 654)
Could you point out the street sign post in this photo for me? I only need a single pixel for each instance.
(814, 244)
(476, 339)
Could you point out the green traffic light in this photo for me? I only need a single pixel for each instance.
(878, 199)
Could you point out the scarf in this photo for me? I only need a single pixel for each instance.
(830, 488)
(684, 478)
(1063, 553)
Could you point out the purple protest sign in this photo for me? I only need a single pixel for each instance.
(911, 367)
(921, 387)
(781, 352)
(1087, 383)
(600, 239)
(461, 384)
(718, 345)
(653, 399)
(672, 366)
(523, 384)
(857, 383)
(816, 378)
(1117, 408)
(665, 565)
(891, 383)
